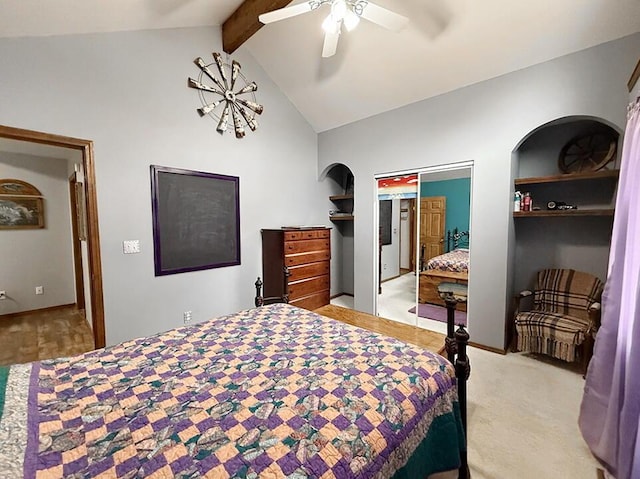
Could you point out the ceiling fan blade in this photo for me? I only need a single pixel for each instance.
(330, 44)
(286, 12)
(383, 17)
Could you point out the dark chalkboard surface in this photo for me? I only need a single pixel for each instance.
(385, 221)
(196, 220)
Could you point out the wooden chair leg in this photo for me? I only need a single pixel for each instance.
(587, 351)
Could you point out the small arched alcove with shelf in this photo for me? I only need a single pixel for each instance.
(569, 168)
(340, 212)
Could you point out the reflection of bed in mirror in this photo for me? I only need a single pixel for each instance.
(450, 267)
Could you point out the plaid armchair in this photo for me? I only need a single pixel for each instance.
(565, 315)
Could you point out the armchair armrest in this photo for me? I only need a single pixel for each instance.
(522, 294)
(594, 307)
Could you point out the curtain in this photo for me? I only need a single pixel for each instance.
(609, 414)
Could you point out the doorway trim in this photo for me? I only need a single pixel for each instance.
(77, 244)
(93, 235)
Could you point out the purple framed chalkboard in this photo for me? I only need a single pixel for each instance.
(196, 220)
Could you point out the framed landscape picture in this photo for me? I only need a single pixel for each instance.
(21, 205)
(21, 212)
(196, 220)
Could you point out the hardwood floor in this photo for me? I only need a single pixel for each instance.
(64, 332)
(409, 334)
(43, 334)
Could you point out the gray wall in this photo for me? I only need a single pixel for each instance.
(128, 93)
(484, 122)
(38, 257)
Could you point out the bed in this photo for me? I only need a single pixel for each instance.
(450, 267)
(274, 392)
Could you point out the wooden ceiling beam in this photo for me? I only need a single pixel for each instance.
(243, 23)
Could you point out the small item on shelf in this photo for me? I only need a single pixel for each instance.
(527, 203)
(517, 201)
(555, 205)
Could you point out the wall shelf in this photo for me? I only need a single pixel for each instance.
(345, 202)
(592, 175)
(601, 176)
(340, 197)
(549, 213)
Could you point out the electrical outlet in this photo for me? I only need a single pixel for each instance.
(39, 290)
(186, 317)
(3, 295)
(131, 246)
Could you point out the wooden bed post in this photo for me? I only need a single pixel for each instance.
(450, 340)
(463, 370)
(261, 301)
(456, 346)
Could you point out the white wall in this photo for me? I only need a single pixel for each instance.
(38, 257)
(128, 93)
(483, 122)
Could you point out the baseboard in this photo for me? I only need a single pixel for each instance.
(341, 294)
(39, 310)
(488, 348)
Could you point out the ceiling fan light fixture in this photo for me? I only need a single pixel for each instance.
(331, 25)
(339, 9)
(351, 20)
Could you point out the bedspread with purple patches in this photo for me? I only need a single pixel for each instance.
(456, 261)
(273, 392)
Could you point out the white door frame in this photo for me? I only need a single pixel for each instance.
(376, 220)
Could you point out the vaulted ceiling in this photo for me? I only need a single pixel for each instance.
(447, 45)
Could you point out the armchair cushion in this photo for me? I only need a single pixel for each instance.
(549, 333)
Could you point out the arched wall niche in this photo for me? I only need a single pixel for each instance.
(536, 154)
(340, 202)
(576, 242)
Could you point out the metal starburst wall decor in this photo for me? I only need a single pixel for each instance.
(226, 97)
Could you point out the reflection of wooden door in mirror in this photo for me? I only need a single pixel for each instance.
(432, 220)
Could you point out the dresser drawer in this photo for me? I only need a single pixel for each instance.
(292, 247)
(297, 273)
(304, 258)
(306, 234)
(309, 286)
(313, 301)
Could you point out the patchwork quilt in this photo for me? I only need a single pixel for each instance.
(271, 392)
(456, 261)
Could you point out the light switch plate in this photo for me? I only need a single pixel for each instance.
(131, 246)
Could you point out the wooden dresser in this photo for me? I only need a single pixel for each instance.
(306, 252)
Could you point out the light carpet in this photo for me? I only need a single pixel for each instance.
(523, 419)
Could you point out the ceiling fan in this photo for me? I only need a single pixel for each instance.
(345, 13)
